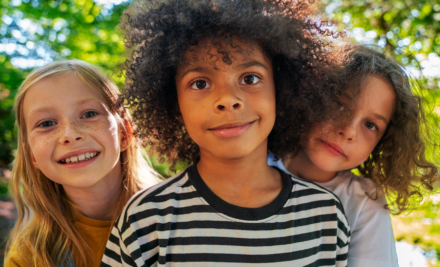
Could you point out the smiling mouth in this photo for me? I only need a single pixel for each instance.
(80, 158)
(231, 129)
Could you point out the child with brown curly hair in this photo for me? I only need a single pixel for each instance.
(381, 136)
(215, 84)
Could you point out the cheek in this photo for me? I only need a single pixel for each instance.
(41, 145)
(108, 130)
(264, 105)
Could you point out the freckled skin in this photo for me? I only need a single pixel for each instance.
(74, 117)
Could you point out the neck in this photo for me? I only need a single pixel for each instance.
(301, 166)
(246, 182)
(98, 202)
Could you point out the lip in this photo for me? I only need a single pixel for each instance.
(77, 152)
(334, 149)
(229, 130)
(80, 164)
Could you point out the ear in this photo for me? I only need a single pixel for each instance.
(34, 161)
(125, 142)
(126, 136)
(178, 114)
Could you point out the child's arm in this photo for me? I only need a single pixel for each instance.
(343, 238)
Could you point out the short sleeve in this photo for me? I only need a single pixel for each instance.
(15, 257)
(372, 239)
(343, 238)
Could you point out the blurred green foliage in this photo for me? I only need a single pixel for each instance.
(35, 32)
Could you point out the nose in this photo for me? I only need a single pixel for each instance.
(70, 133)
(348, 132)
(228, 99)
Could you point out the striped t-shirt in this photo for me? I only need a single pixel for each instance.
(181, 222)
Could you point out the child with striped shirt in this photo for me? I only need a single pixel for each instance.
(214, 84)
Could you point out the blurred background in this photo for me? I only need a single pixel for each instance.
(36, 32)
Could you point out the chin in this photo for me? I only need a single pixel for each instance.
(326, 165)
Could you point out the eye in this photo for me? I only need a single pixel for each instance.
(46, 124)
(89, 114)
(340, 106)
(250, 79)
(200, 84)
(371, 126)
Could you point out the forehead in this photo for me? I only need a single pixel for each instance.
(221, 53)
(378, 94)
(55, 91)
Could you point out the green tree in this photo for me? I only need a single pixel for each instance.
(407, 30)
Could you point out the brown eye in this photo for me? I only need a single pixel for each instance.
(200, 84)
(339, 106)
(250, 79)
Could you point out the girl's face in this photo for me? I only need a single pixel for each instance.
(228, 110)
(334, 148)
(74, 139)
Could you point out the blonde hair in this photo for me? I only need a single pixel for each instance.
(50, 234)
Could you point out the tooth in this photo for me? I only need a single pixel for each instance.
(81, 157)
(74, 159)
(67, 160)
(87, 155)
(93, 154)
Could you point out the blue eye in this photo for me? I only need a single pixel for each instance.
(89, 114)
(46, 124)
(200, 84)
(250, 79)
(371, 126)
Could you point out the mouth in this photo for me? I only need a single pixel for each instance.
(231, 129)
(334, 149)
(79, 158)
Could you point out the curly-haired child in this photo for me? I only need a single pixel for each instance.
(382, 136)
(215, 84)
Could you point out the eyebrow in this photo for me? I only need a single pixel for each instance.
(251, 64)
(196, 69)
(48, 109)
(241, 66)
(380, 117)
(41, 110)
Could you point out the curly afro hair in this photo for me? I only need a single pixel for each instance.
(297, 41)
(398, 164)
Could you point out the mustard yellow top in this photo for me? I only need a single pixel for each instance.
(95, 233)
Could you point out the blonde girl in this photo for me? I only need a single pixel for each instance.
(77, 164)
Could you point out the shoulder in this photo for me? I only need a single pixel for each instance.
(304, 186)
(153, 195)
(321, 196)
(357, 193)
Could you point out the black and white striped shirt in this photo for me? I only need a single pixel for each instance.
(181, 222)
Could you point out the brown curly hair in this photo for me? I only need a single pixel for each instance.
(296, 40)
(398, 163)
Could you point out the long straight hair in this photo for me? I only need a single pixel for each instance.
(51, 233)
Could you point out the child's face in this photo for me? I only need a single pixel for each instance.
(66, 120)
(228, 110)
(335, 148)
